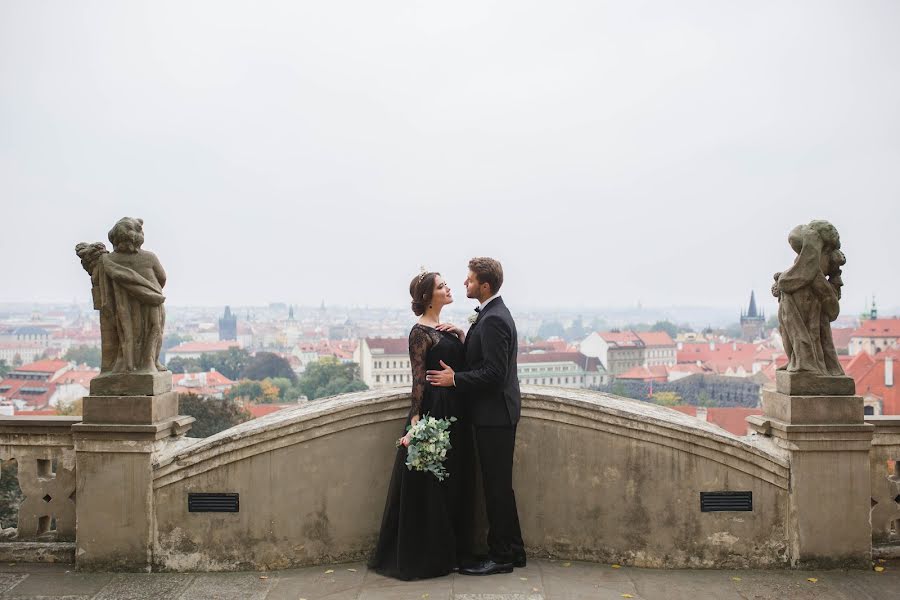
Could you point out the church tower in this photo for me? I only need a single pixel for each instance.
(753, 321)
(228, 325)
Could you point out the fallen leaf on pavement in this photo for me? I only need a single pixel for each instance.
(627, 596)
(523, 579)
(263, 576)
(329, 571)
(879, 569)
(616, 566)
(811, 579)
(735, 578)
(352, 570)
(567, 564)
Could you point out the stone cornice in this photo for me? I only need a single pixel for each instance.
(577, 408)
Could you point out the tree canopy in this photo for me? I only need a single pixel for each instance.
(230, 363)
(88, 355)
(327, 377)
(179, 365)
(212, 415)
(268, 365)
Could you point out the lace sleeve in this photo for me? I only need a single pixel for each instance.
(419, 343)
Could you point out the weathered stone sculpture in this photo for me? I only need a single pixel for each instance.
(127, 290)
(808, 301)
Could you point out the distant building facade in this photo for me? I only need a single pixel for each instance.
(874, 336)
(383, 362)
(620, 351)
(564, 369)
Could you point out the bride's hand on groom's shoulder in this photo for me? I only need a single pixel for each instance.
(451, 328)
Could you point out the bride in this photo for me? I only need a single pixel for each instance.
(425, 527)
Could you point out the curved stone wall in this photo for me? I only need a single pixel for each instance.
(597, 477)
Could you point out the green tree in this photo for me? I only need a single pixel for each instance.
(249, 391)
(327, 377)
(549, 329)
(772, 322)
(666, 326)
(230, 363)
(88, 355)
(180, 365)
(173, 339)
(666, 398)
(212, 415)
(10, 494)
(4, 368)
(286, 390)
(266, 365)
(618, 388)
(704, 399)
(17, 361)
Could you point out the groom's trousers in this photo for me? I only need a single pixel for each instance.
(496, 445)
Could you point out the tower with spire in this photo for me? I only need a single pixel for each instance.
(753, 321)
(228, 325)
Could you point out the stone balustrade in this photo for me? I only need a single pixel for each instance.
(600, 478)
(43, 452)
(885, 472)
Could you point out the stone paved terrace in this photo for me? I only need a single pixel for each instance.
(541, 580)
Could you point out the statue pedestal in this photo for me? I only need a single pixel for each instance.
(114, 450)
(810, 384)
(830, 495)
(131, 384)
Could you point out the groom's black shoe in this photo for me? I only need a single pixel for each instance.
(519, 562)
(487, 567)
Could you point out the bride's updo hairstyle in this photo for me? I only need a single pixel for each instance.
(421, 289)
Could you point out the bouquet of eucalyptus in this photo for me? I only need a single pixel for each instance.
(428, 446)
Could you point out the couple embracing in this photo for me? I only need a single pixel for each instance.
(427, 527)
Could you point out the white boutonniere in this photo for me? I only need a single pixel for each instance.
(472, 318)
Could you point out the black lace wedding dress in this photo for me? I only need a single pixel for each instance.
(426, 526)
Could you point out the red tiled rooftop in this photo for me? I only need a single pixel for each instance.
(261, 410)
(213, 378)
(389, 345)
(642, 373)
(841, 337)
(81, 377)
(586, 362)
(43, 366)
(620, 338)
(656, 338)
(878, 328)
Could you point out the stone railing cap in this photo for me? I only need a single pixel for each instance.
(39, 421)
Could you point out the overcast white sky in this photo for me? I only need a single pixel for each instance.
(605, 152)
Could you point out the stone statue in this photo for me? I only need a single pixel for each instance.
(127, 290)
(808, 299)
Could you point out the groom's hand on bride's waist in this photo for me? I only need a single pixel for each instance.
(443, 378)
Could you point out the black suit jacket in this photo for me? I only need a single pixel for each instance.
(490, 379)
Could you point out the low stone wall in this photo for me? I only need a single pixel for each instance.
(597, 477)
(885, 471)
(42, 449)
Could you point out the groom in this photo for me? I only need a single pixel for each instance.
(490, 385)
